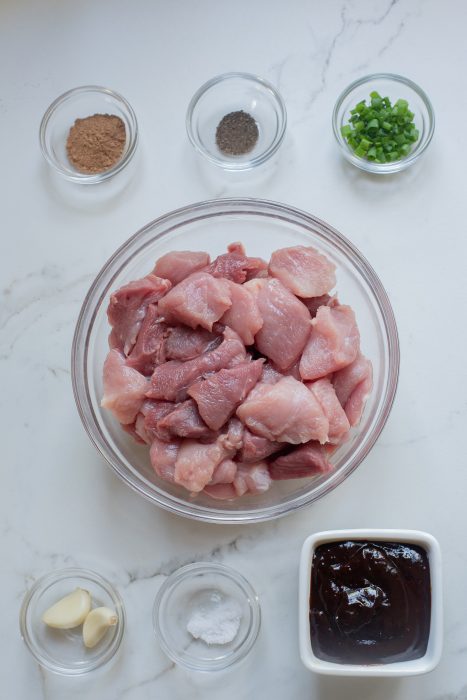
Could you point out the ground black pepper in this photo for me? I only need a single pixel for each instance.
(237, 133)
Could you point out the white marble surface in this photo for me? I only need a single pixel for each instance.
(61, 505)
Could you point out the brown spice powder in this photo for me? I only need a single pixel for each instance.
(96, 143)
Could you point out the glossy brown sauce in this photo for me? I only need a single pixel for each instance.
(370, 602)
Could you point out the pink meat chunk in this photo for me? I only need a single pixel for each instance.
(243, 316)
(196, 463)
(153, 412)
(235, 265)
(163, 457)
(256, 448)
(178, 264)
(286, 322)
(232, 439)
(352, 386)
(314, 303)
(334, 342)
(124, 388)
(221, 492)
(131, 429)
(224, 473)
(148, 351)
(184, 343)
(171, 380)
(140, 431)
(198, 300)
(270, 374)
(219, 394)
(252, 478)
(284, 412)
(304, 461)
(258, 478)
(127, 309)
(303, 270)
(236, 247)
(184, 421)
(339, 424)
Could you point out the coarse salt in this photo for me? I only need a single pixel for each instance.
(217, 621)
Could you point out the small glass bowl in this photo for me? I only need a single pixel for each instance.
(231, 92)
(395, 87)
(185, 591)
(63, 651)
(76, 104)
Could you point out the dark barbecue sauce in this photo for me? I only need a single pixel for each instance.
(370, 602)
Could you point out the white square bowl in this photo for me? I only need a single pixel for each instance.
(401, 668)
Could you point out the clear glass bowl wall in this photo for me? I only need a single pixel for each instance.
(263, 227)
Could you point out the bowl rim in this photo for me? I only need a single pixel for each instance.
(50, 578)
(242, 583)
(83, 178)
(229, 162)
(415, 667)
(208, 209)
(395, 166)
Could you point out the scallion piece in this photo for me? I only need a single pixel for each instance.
(380, 131)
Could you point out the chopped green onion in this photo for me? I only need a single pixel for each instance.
(380, 131)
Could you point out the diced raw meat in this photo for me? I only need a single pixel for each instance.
(232, 440)
(184, 343)
(243, 316)
(178, 264)
(303, 270)
(198, 300)
(132, 430)
(306, 460)
(196, 463)
(258, 478)
(163, 457)
(314, 303)
(124, 388)
(338, 421)
(286, 322)
(140, 430)
(252, 478)
(127, 309)
(148, 351)
(195, 342)
(236, 247)
(353, 385)
(219, 394)
(184, 421)
(284, 412)
(294, 372)
(171, 380)
(334, 342)
(239, 483)
(235, 265)
(222, 492)
(270, 374)
(153, 412)
(224, 473)
(256, 448)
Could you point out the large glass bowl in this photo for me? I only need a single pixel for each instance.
(262, 226)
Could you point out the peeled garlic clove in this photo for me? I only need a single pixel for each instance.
(69, 611)
(96, 625)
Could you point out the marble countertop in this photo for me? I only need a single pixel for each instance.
(60, 504)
